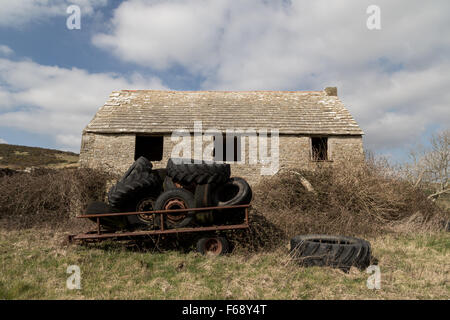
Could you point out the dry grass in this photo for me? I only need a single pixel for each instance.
(360, 201)
(33, 266)
(48, 197)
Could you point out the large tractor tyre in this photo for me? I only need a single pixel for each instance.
(236, 191)
(334, 251)
(134, 178)
(142, 164)
(168, 184)
(162, 173)
(126, 193)
(110, 223)
(203, 198)
(185, 172)
(214, 246)
(175, 199)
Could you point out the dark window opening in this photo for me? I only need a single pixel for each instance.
(319, 149)
(233, 143)
(150, 147)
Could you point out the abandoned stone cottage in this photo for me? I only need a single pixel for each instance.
(313, 127)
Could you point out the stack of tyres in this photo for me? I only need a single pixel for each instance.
(183, 184)
(137, 191)
(211, 186)
(131, 193)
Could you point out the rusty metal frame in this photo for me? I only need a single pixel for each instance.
(99, 235)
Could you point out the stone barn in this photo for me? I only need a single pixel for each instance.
(308, 127)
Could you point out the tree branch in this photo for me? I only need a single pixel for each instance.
(436, 194)
(305, 183)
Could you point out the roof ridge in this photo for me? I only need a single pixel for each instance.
(184, 91)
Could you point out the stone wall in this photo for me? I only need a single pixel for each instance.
(346, 148)
(109, 152)
(115, 153)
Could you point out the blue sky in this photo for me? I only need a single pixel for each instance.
(394, 80)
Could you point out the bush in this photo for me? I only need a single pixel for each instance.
(48, 197)
(348, 200)
(353, 201)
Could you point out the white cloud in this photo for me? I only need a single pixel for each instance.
(17, 13)
(394, 80)
(3, 141)
(57, 101)
(5, 50)
(161, 34)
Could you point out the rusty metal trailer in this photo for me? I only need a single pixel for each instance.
(213, 244)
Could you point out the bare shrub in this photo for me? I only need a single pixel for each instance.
(429, 167)
(48, 197)
(354, 200)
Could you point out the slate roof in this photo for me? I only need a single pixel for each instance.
(156, 111)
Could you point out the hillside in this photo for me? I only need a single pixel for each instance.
(21, 157)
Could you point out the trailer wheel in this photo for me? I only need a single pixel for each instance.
(175, 199)
(214, 246)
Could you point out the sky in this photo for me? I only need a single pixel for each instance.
(394, 79)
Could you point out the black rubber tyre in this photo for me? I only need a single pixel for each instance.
(212, 246)
(168, 184)
(185, 172)
(334, 251)
(175, 199)
(142, 164)
(146, 202)
(128, 192)
(234, 192)
(138, 184)
(144, 220)
(138, 177)
(203, 198)
(110, 223)
(162, 173)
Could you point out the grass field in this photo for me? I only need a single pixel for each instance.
(33, 266)
(37, 212)
(21, 157)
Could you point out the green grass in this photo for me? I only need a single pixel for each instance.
(20, 157)
(33, 266)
